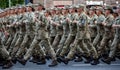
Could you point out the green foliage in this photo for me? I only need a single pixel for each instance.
(5, 3)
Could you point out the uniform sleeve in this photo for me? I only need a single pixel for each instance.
(110, 21)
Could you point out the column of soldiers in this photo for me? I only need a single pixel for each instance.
(30, 32)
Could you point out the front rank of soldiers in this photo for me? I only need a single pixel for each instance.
(31, 32)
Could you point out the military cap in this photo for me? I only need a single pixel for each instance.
(6, 9)
(70, 7)
(1, 11)
(66, 7)
(81, 6)
(92, 8)
(100, 9)
(29, 4)
(109, 8)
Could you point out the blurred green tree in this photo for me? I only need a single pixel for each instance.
(5, 3)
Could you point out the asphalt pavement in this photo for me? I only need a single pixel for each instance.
(71, 66)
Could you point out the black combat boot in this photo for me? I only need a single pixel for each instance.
(22, 61)
(95, 62)
(88, 59)
(14, 60)
(60, 59)
(66, 61)
(54, 63)
(7, 65)
(108, 60)
(48, 57)
(79, 59)
(42, 61)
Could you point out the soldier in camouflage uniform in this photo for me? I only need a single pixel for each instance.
(59, 29)
(29, 35)
(3, 52)
(41, 33)
(65, 25)
(72, 33)
(92, 20)
(108, 35)
(116, 39)
(100, 30)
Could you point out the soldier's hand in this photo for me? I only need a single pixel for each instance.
(74, 21)
(115, 26)
(104, 24)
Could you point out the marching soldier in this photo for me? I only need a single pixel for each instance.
(116, 39)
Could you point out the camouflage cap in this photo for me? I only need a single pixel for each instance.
(100, 9)
(1, 11)
(66, 7)
(108, 8)
(29, 4)
(81, 6)
(92, 8)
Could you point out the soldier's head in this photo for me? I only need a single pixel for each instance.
(64, 10)
(29, 7)
(38, 7)
(52, 11)
(80, 8)
(72, 9)
(108, 10)
(47, 12)
(58, 11)
(92, 11)
(12, 10)
(99, 11)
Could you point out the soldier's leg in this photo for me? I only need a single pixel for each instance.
(113, 46)
(91, 48)
(8, 42)
(56, 42)
(61, 44)
(5, 55)
(42, 54)
(29, 51)
(103, 43)
(13, 43)
(52, 52)
(73, 49)
(52, 39)
(66, 47)
(17, 46)
(23, 45)
(96, 40)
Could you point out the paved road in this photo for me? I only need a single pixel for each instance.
(71, 66)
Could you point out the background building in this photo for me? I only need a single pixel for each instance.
(51, 3)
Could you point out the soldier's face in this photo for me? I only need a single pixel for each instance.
(63, 11)
(46, 14)
(97, 12)
(79, 9)
(40, 7)
(71, 10)
(36, 8)
(57, 11)
(11, 11)
(107, 12)
(91, 12)
(29, 9)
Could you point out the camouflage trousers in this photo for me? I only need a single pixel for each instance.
(48, 47)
